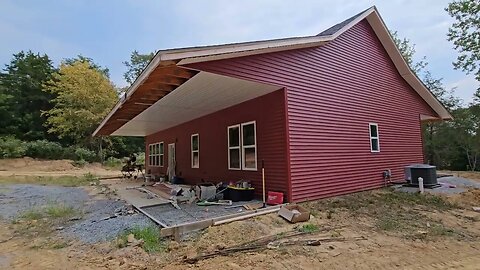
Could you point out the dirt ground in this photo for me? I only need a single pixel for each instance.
(371, 230)
(32, 167)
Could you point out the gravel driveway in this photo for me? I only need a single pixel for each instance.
(91, 228)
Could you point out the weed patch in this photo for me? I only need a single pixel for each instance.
(308, 228)
(150, 235)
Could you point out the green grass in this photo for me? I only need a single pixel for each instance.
(150, 235)
(51, 210)
(60, 211)
(32, 214)
(308, 228)
(66, 181)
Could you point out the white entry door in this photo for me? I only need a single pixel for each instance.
(171, 161)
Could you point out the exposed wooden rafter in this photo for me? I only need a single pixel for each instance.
(163, 80)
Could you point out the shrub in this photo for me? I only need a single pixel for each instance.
(11, 147)
(79, 163)
(140, 158)
(45, 149)
(113, 162)
(85, 154)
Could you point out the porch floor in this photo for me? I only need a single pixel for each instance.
(162, 210)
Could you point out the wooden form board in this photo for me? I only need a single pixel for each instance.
(180, 229)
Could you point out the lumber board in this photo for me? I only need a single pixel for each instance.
(198, 225)
(151, 217)
(228, 220)
(186, 227)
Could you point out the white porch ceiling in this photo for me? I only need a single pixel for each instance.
(203, 94)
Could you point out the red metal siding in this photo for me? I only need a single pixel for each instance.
(269, 113)
(333, 93)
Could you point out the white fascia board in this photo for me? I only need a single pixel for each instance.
(408, 75)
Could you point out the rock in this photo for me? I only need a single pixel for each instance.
(220, 246)
(131, 238)
(130, 212)
(59, 228)
(173, 245)
(138, 243)
(476, 209)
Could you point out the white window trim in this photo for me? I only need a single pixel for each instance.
(371, 138)
(161, 162)
(235, 147)
(195, 151)
(248, 146)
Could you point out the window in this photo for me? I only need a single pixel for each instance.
(374, 138)
(234, 147)
(242, 147)
(195, 151)
(249, 146)
(155, 154)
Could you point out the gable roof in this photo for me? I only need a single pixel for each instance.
(173, 59)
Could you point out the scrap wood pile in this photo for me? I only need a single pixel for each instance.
(274, 241)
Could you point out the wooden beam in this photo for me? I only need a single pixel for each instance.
(163, 79)
(174, 72)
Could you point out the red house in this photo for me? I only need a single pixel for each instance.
(328, 114)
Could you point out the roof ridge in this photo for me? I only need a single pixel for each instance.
(334, 29)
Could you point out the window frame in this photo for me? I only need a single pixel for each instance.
(374, 137)
(161, 154)
(243, 147)
(239, 147)
(154, 154)
(192, 151)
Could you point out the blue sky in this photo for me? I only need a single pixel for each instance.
(108, 30)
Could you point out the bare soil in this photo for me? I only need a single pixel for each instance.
(33, 167)
(400, 231)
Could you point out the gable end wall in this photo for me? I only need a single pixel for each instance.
(333, 93)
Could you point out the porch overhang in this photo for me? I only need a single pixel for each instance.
(201, 95)
(167, 72)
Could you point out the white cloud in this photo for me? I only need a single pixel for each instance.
(465, 87)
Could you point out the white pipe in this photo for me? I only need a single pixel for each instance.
(420, 185)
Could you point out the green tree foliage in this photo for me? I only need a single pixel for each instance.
(465, 35)
(136, 65)
(83, 59)
(21, 95)
(451, 144)
(84, 96)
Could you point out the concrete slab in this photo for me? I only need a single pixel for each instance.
(449, 185)
(133, 196)
(171, 216)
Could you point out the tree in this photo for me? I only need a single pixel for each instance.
(84, 96)
(21, 95)
(439, 138)
(465, 35)
(90, 62)
(136, 65)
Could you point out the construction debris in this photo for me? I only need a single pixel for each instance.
(271, 242)
(294, 213)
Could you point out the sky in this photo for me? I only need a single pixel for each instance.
(109, 30)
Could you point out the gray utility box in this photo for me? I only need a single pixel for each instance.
(427, 172)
